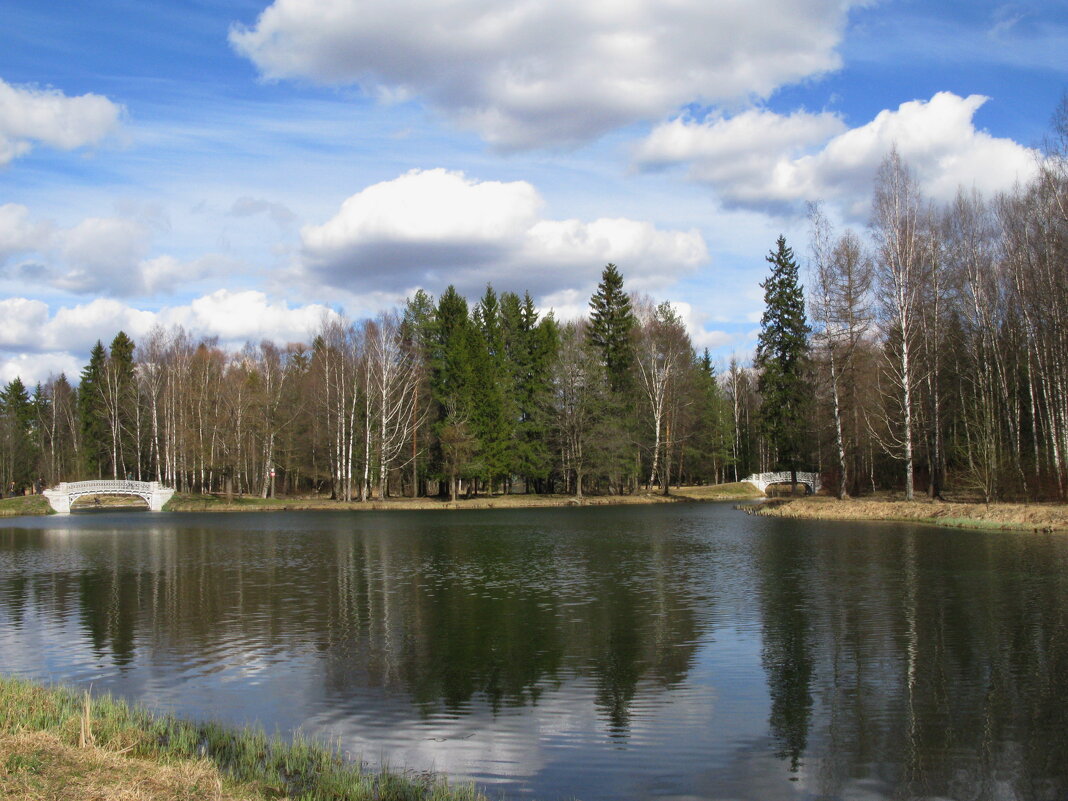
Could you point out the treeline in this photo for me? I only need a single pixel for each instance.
(441, 398)
(936, 348)
(929, 353)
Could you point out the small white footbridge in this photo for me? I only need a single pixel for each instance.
(152, 492)
(764, 480)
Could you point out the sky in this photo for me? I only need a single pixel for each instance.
(246, 169)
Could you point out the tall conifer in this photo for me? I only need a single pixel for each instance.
(17, 447)
(782, 358)
(611, 323)
(92, 415)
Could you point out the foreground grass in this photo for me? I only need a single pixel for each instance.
(996, 516)
(55, 744)
(25, 505)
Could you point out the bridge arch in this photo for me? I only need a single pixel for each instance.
(63, 497)
(763, 480)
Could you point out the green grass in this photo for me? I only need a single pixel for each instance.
(971, 522)
(25, 505)
(735, 491)
(262, 766)
(195, 502)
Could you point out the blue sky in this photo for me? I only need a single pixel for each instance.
(243, 168)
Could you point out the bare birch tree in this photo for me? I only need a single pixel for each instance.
(902, 252)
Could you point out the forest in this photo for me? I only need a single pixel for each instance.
(925, 354)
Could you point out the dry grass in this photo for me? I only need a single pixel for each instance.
(56, 744)
(1002, 516)
(39, 765)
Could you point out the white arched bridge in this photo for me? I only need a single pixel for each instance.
(152, 492)
(763, 480)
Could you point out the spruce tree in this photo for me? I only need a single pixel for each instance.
(782, 359)
(611, 335)
(121, 405)
(611, 323)
(92, 414)
(493, 412)
(453, 356)
(530, 345)
(17, 446)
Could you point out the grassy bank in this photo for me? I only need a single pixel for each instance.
(195, 502)
(244, 503)
(54, 744)
(736, 491)
(996, 516)
(24, 505)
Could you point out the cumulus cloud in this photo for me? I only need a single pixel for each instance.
(766, 161)
(548, 72)
(433, 228)
(247, 316)
(29, 115)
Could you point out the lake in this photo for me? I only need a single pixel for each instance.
(681, 651)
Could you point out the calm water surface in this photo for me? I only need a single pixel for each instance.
(688, 651)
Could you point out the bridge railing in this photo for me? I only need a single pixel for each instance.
(103, 487)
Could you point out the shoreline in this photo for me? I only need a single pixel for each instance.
(36, 505)
(1037, 517)
(56, 742)
(219, 503)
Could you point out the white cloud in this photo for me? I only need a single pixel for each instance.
(99, 255)
(740, 152)
(35, 341)
(237, 317)
(548, 72)
(767, 161)
(34, 368)
(21, 320)
(433, 228)
(32, 115)
(695, 322)
(166, 272)
(17, 233)
(103, 254)
(76, 328)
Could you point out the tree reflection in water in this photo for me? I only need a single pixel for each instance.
(897, 661)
